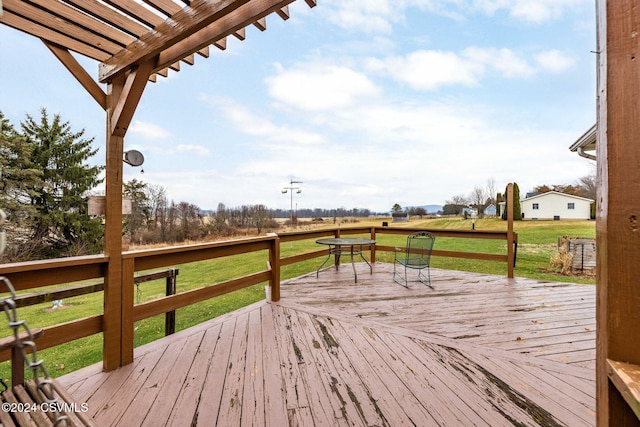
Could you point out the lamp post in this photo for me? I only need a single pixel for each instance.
(290, 189)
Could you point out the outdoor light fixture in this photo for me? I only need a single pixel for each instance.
(289, 190)
(133, 158)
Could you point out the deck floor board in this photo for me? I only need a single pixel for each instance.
(475, 350)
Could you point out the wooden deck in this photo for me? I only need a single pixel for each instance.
(475, 350)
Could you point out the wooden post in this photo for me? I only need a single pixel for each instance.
(127, 323)
(17, 366)
(123, 94)
(618, 202)
(170, 316)
(274, 261)
(510, 236)
(373, 247)
(111, 352)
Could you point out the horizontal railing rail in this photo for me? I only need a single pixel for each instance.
(465, 234)
(38, 274)
(50, 295)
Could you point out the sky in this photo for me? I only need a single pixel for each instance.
(367, 103)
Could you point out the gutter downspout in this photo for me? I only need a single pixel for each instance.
(586, 155)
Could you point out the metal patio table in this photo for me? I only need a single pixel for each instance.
(339, 245)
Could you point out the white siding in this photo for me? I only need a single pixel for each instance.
(552, 205)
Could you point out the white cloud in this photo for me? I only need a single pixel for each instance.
(503, 60)
(543, 10)
(244, 120)
(149, 130)
(431, 69)
(316, 87)
(555, 61)
(379, 16)
(371, 16)
(198, 150)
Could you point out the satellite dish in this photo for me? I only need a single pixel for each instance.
(133, 158)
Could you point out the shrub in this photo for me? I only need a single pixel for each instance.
(562, 261)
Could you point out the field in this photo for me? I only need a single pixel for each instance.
(537, 245)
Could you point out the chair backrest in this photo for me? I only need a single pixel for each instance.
(420, 244)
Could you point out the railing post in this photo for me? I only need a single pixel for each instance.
(510, 237)
(127, 326)
(274, 262)
(373, 247)
(170, 316)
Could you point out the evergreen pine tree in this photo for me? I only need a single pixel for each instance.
(18, 179)
(62, 222)
(517, 209)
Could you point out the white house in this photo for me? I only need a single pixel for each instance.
(555, 205)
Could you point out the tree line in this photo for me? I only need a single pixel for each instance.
(156, 219)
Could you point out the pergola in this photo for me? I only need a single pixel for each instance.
(135, 40)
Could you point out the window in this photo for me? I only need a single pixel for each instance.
(571, 205)
(535, 206)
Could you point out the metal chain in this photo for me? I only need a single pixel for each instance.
(40, 375)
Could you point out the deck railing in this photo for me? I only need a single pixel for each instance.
(39, 274)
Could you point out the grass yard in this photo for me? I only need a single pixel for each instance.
(537, 245)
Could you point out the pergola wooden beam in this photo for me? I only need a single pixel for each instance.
(58, 9)
(80, 33)
(111, 17)
(132, 90)
(72, 65)
(137, 11)
(40, 31)
(216, 32)
(183, 24)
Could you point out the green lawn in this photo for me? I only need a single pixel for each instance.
(537, 244)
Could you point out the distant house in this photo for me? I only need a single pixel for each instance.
(400, 217)
(469, 211)
(556, 205)
(490, 210)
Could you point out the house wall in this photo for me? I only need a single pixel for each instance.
(490, 210)
(555, 205)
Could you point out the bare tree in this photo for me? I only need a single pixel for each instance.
(588, 186)
(156, 195)
(458, 200)
(260, 216)
(477, 198)
(491, 190)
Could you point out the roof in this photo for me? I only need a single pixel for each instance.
(587, 142)
(548, 193)
(121, 34)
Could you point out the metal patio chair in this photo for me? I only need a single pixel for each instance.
(417, 256)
